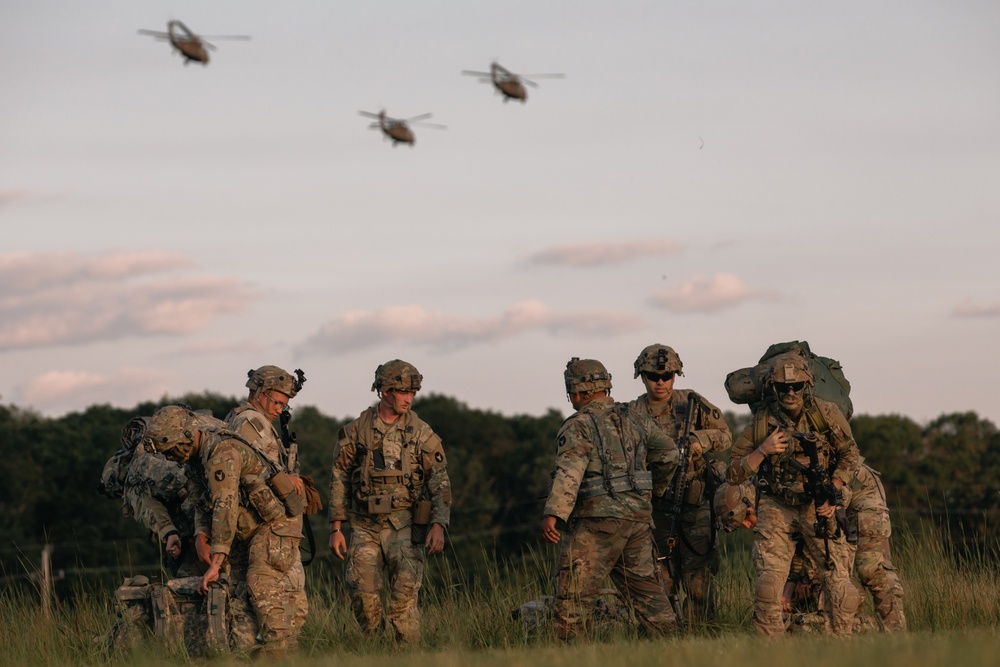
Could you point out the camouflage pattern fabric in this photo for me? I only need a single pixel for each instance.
(161, 496)
(774, 548)
(697, 559)
(609, 533)
(372, 550)
(868, 510)
(593, 549)
(413, 466)
(578, 458)
(276, 585)
(245, 421)
(275, 580)
(786, 511)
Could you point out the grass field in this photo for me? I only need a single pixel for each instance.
(952, 603)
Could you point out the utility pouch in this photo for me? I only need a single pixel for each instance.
(379, 504)
(281, 484)
(217, 633)
(695, 490)
(849, 528)
(421, 521)
(422, 513)
(263, 500)
(246, 524)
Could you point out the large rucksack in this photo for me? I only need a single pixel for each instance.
(746, 385)
(115, 471)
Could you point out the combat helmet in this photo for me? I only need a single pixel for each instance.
(732, 504)
(584, 376)
(658, 358)
(171, 432)
(790, 367)
(278, 379)
(397, 374)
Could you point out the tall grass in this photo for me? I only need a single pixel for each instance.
(952, 603)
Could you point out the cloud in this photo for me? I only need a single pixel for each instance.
(67, 298)
(58, 391)
(588, 255)
(969, 310)
(435, 330)
(217, 346)
(701, 294)
(8, 196)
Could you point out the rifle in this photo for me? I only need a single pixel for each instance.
(820, 486)
(288, 441)
(675, 503)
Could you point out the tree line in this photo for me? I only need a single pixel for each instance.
(946, 471)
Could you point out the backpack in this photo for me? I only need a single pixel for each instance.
(746, 385)
(115, 471)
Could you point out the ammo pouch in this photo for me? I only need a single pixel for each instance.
(262, 499)
(421, 521)
(379, 504)
(694, 492)
(848, 528)
(282, 486)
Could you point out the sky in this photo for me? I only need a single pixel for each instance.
(714, 176)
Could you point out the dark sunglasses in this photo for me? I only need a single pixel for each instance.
(658, 377)
(785, 387)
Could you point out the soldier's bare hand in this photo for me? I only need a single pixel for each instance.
(298, 484)
(202, 548)
(173, 546)
(826, 510)
(338, 544)
(212, 574)
(776, 443)
(435, 539)
(549, 531)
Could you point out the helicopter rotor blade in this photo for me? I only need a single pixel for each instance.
(417, 118)
(545, 76)
(369, 114)
(241, 38)
(432, 126)
(209, 44)
(155, 33)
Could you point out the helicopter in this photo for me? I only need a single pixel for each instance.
(398, 130)
(188, 44)
(510, 85)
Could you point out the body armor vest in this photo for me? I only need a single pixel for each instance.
(379, 486)
(785, 482)
(618, 467)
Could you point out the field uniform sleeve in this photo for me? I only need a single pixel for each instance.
(340, 479)
(662, 455)
(437, 482)
(739, 468)
(574, 448)
(713, 432)
(223, 475)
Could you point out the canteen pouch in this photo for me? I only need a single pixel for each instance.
(263, 500)
(281, 484)
(421, 520)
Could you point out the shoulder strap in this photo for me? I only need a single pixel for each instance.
(760, 426)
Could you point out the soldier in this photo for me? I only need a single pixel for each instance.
(249, 500)
(610, 462)
(868, 516)
(774, 446)
(390, 481)
(734, 507)
(692, 552)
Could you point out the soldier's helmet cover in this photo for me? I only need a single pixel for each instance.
(171, 432)
(584, 376)
(658, 358)
(273, 377)
(790, 367)
(733, 502)
(397, 374)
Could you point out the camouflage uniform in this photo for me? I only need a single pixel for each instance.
(786, 510)
(380, 473)
(160, 495)
(243, 507)
(868, 513)
(610, 461)
(696, 554)
(259, 431)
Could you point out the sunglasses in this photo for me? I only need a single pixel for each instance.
(658, 377)
(786, 387)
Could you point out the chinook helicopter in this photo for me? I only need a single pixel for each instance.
(193, 47)
(508, 84)
(399, 130)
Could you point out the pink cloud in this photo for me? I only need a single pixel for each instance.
(702, 294)
(59, 391)
(968, 310)
(433, 329)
